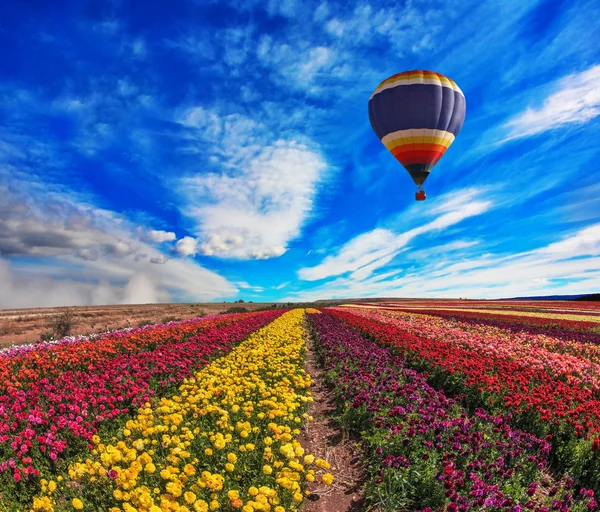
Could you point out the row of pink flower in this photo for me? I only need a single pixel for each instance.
(577, 362)
(562, 331)
(54, 418)
(579, 322)
(538, 304)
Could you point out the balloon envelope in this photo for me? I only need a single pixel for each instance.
(417, 114)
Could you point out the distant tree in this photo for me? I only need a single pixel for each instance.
(235, 309)
(62, 325)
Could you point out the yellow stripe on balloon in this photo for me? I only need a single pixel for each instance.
(417, 78)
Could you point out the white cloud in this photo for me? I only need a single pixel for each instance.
(568, 266)
(78, 254)
(585, 242)
(160, 236)
(259, 200)
(374, 249)
(187, 246)
(246, 286)
(301, 66)
(575, 100)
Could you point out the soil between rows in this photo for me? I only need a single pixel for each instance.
(324, 438)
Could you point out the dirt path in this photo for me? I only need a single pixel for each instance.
(323, 438)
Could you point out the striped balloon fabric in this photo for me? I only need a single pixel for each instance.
(417, 115)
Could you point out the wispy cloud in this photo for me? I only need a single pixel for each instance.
(574, 100)
(570, 265)
(374, 249)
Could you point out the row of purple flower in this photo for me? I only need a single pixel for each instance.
(424, 450)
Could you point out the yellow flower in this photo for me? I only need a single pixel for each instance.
(77, 504)
(327, 478)
(322, 463)
(189, 497)
(257, 392)
(174, 488)
(201, 506)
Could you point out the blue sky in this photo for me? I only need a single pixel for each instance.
(197, 150)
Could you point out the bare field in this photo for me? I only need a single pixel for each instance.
(18, 326)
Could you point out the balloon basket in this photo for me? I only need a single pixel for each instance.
(420, 195)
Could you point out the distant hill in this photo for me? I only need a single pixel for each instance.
(334, 302)
(593, 296)
(588, 297)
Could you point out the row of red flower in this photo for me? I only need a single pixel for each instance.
(548, 397)
(424, 451)
(53, 418)
(20, 366)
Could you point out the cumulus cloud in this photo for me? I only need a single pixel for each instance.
(81, 255)
(258, 202)
(56, 229)
(187, 246)
(161, 236)
(574, 100)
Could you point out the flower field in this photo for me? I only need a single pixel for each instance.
(425, 451)
(452, 414)
(550, 386)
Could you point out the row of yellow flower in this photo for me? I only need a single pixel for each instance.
(227, 441)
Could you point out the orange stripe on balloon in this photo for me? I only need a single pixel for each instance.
(399, 150)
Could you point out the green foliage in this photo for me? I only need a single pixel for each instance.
(46, 336)
(235, 309)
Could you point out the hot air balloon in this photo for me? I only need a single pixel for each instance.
(417, 114)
